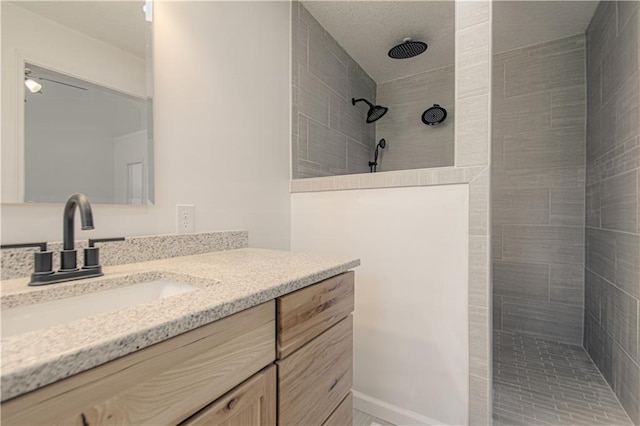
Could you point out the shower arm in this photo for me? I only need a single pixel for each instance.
(355, 101)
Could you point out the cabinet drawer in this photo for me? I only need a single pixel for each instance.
(317, 377)
(306, 313)
(253, 403)
(162, 384)
(343, 415)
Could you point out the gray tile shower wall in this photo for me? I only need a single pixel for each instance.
(538, 197)
(612, 269)
(329, 134)
(410, 143)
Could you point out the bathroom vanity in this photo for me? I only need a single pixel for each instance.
(279, 351)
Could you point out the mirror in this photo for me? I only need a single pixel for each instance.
(367, 71)
(77, 101)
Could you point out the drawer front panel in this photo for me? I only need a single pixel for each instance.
(162, 384)
(305, 314)
(343, 415)
(253, 403)
(315, 379)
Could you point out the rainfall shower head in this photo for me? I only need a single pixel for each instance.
(375, 111)
(434, 115)
(407, 49)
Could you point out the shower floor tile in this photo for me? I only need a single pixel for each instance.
(542, 382)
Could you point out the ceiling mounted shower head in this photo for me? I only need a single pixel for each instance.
(434, 115)
(375, 112)
(407, 49)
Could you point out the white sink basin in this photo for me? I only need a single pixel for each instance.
(47, 314)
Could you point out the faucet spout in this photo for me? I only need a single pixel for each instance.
(86, 217)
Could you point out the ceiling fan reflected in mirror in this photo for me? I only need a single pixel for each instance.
(34, 87)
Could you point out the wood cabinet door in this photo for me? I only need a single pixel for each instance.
(253, 403)
(343, 415)
(315, 379)
(159, 385)
(305, 314)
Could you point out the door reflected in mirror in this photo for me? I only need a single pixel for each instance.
(77, 114)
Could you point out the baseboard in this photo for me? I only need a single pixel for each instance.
(389, 412)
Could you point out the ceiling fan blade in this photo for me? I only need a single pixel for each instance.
(60, 82)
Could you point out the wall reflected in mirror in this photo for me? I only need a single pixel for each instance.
(394, 54)
(77, 115)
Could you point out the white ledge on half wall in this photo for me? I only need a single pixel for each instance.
(415, 177)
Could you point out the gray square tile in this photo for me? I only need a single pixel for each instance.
(601, 253)
(544, 149)
(627, 107)
(592, 286)
(540, 72)
(497, 312)
(325, 65)
(551, 320)
(567, 206)
(327, 147)
(528, 280)
(592, 205)
(520, 206)
(627, 383)
(358, 156)
(620, 318)
(628, 263)
(621, 61)
(557, 244)
(566, 284)
(619, 202)
(313, 97)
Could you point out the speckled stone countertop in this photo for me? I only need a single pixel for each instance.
(228, 282)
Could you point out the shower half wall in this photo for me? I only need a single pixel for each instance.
(538, 169)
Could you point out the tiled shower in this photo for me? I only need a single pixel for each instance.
(565, 224)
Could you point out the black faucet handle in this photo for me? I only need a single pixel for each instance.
(92, 253)
(91, 257)
(42, 246)
(93, 241)
(42, 260)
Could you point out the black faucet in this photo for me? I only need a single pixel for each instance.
(68, 256)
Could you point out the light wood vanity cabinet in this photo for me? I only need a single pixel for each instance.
(221, 374)
(251, 403)
(315, 351)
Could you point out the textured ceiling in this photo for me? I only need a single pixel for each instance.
(118, 23)
(523, 23)
(368, 29)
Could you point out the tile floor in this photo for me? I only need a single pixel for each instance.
(363, 419)
(541, 382)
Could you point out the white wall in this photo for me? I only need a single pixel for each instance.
(221, 128)
(410, 343)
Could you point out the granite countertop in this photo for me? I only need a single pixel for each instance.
(227, 281)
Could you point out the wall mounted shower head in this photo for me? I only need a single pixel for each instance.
(375, 111)
(434, 115)
(382, 143)
(407, 49)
